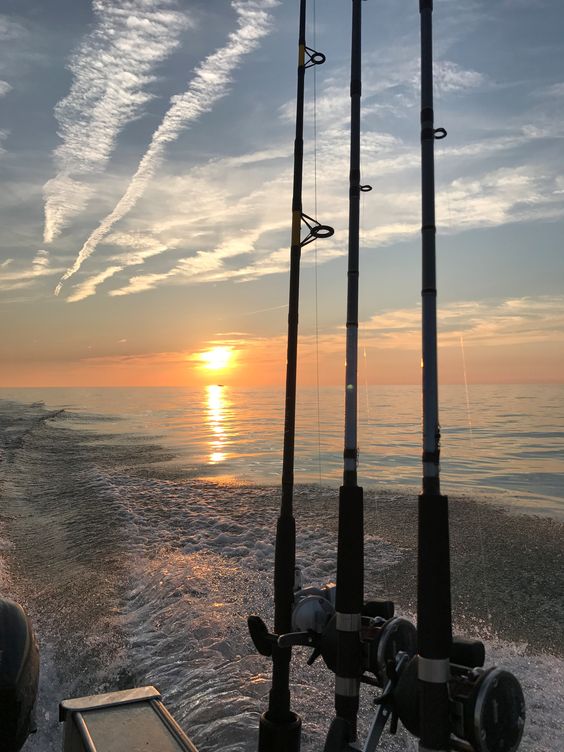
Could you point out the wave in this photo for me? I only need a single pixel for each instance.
(136, 574)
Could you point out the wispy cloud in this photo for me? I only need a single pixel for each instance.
(111, 71)
(10, 29)
(40, 261)
(3, 136)
(553, 90)
(390, 85)
(138, 248)
(490, 199)
(88, 287)
(512, 321)
(203, 266)
(151, 359)
(510, 325)
(5, 88)
(518, 194)
(450, 77)
(210, 83)
(488, 194)
(17, 279)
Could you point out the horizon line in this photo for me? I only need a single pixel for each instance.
(275, 386)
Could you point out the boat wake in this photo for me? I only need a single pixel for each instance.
(133, 574)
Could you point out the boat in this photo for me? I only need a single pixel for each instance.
(433, 683)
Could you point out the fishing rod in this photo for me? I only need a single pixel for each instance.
(280, 727)
(434, 684)
(350, 546)
(497, 702)
(434, 621)
(442, 695)
(354, 638)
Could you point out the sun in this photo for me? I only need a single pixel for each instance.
(217, 358)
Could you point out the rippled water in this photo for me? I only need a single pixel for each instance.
(138, 556)
(507, 439)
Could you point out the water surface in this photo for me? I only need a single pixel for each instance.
(137, 527)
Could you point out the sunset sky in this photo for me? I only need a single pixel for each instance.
(146, 161)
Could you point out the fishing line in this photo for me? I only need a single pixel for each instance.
(468, 411)
(376, 502)
(483, 557)
(478, 512)
(366, 396)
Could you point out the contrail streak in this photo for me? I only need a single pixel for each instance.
(111, 70)
(210, 83)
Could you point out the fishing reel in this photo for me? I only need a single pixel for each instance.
(383, 635)
(314, 624)
(312, 611)
(487, 707)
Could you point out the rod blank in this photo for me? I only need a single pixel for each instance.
(350, 554)
(434, 624)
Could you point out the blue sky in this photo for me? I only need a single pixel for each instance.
(146, 167)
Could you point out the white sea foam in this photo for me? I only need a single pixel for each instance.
(146, 576)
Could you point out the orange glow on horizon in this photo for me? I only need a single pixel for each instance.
(262, 363)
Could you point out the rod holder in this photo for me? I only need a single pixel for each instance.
(279, 735)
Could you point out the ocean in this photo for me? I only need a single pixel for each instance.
(137, 527)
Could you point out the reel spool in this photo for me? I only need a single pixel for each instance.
(313, 608)
(487, 706)
(391, 637)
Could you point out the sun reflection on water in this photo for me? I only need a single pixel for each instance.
(216, 415)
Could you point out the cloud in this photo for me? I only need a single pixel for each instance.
(513, 321)
(41, 261)
(553, 90)
(264, 155)
(225, 251)
(475, 187)
(156, 359)
(244, 348)
(10, 29)
(391, 84)
(26, 277)
(203, 266)
(111, 71)
(89, 286)
(517, 194)
(450, 77)
(214, 265)
(518, 324)
(210, 83)
(139, 247)
(141, 283)
(5, 88)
